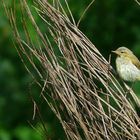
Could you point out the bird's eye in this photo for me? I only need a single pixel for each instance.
(122, 52)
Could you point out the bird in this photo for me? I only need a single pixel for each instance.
(127, 65)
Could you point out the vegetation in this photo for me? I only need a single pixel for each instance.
(73, 77)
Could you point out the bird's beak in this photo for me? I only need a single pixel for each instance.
(116, 52)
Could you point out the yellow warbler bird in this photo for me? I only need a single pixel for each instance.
(127, 64)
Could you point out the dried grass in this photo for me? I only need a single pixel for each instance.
(87, 99)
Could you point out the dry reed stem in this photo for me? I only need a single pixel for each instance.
(92, 103)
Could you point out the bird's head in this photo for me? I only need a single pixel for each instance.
(123, 52)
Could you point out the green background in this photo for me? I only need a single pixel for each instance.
(108, 24)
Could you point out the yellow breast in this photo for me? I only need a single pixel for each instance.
(127, 70)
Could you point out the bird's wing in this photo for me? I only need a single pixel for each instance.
(136, 61)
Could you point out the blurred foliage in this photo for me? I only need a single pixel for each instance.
(108, 24)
